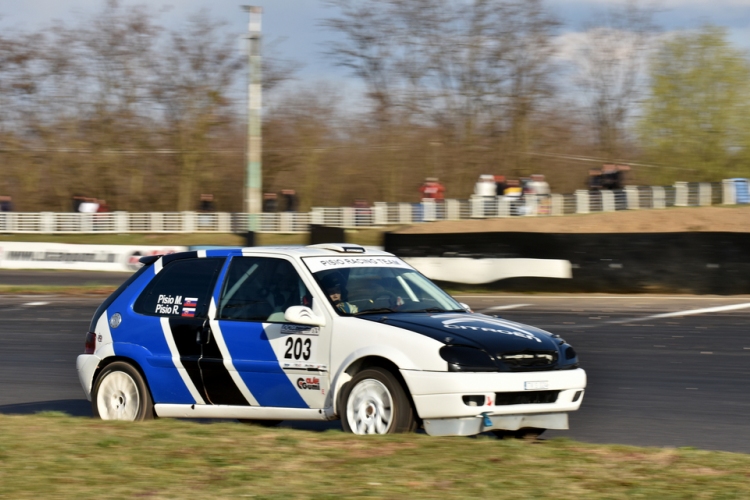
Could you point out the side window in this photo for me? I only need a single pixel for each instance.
(182, 288)
(261, 289)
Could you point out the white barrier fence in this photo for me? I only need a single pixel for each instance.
(23, 255)
(381, 213)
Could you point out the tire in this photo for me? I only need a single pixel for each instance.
(529, 433)
(374, 402)
(120, 393)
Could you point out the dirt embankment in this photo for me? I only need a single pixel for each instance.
(703, 219)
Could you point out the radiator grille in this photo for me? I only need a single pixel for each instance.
(525, 398)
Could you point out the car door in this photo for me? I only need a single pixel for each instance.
(177, 300)
(273, 363)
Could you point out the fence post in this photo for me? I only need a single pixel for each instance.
(680, 194)
(503, 206)
(157, 222)
(532, 205)
(557, 204)
(380, 213)
(348, 217)
(704, 194)
(608, 200)
(121, 222)
(47, 222)
(477, 206)
(225, 222)
(87, 222)
(317, 216)
(659, 196)
(633, 196)
(729, 192)
(582, 201)
(429, 210)
(452, 209)
(286, 223)
(404, 213)
(188, 222)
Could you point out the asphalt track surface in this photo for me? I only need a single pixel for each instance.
(679, 380)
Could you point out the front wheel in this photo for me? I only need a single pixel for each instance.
(120, 393)
(374, 402)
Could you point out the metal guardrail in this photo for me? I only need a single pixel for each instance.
(380, 214)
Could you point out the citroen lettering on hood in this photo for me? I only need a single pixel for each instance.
(495, 325)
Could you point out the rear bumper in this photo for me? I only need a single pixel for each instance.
(440, 395)
(86, 365)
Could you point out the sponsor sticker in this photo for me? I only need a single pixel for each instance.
(167, 304)
(316, 264)
(299, 330)
(309, 383)
(473, 323)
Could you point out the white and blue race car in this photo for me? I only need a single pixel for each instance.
(319, 333)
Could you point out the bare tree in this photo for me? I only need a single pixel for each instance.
(611, 62)
(475, 71)
(194, 80)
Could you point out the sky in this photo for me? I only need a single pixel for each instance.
(292, 28)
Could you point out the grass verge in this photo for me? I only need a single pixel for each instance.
(55, 456)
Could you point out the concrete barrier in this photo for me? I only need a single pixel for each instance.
(689, 262)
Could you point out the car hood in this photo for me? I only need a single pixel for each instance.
(494, 335)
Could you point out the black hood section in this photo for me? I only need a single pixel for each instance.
(477, 330)
(513, 346)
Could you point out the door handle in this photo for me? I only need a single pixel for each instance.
(203, 335)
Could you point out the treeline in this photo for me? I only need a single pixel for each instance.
(119, 107)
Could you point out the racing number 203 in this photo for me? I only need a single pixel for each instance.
(297, 348)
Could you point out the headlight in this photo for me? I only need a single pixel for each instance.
(463, 358)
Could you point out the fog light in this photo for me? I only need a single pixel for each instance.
(474, 400)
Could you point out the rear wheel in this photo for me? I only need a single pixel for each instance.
(120, 393)
(374, 402)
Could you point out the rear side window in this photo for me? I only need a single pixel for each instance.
(182, 288)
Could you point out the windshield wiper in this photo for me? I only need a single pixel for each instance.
(375, 311)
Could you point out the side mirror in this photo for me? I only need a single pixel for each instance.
(466, 306)
(303, 315)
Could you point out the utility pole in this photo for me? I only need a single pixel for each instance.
(254, 178)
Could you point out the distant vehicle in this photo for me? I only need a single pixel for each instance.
(319, 333)
(485, 186)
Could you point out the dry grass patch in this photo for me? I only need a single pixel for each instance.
(54, 456)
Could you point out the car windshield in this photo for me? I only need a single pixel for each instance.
(371, 290)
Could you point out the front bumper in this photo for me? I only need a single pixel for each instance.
(474, 425)
(86, 365)
(440, 395)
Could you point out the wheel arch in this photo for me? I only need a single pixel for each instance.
(364, 363)
(112, 359)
